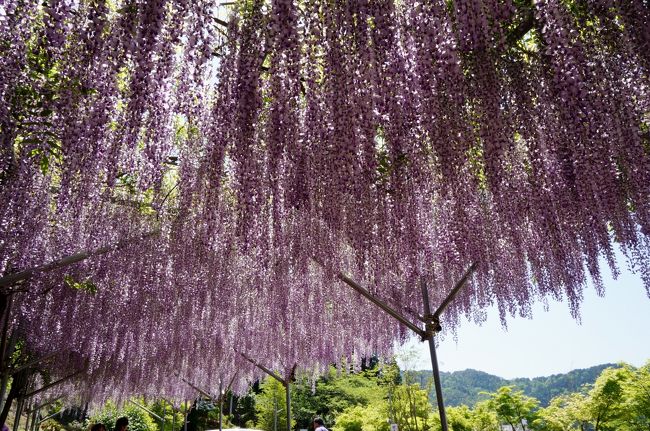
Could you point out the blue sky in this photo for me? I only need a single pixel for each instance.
(614, 328)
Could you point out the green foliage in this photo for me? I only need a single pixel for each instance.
(364, 418)
(603, 405)
(513, 407)
(336, 392)
(484, 418)
(617, 399)
(84, 286)
(410, 408)
(460, 418)
(203, 415)
(164, 410)
(564, 413)
(243, 408)
(139, 420)
(636, 395)
(271, 406)
(51, 425)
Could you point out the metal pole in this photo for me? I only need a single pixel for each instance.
(27, 423)
(19, 410)
(431, 321)
(3, 349)
(48, 386)
(34, 420)
(4, 380)
(287, 387)
(429, 332)
(196, 388)
(220, 406)
(379, 303)
(275, 413)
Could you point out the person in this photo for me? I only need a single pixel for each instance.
(122, 424)
(319, 425)
(98, 427)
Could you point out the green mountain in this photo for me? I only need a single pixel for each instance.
(465, 387)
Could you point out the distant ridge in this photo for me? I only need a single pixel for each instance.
(465, 387)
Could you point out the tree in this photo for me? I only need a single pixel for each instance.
(484, 418)
(410, 407)
(336, 392)
(271, 406)
(513, 407)
(139, 420)
(364, 418)
(460, 418)
(173, 419)
(564, 413)
(636, 395)
(603, 405)
(243, 412)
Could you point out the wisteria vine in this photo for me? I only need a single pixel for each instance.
(239, 145)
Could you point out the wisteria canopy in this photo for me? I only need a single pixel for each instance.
(235, 157)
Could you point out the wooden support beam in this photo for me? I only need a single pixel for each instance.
(33, 362)
(452, 294)
(266, 370)
(50, 385)
(196, 388)
(11, 279)
(47, 403)
(378, 302)
(150, 412)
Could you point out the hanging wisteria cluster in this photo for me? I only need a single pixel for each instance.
(240, 156)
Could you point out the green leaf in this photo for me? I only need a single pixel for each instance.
(85, 286)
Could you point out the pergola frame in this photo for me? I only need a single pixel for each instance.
(431, 320)
(431, 323)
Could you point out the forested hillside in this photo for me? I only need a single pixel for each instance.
(465, 387)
